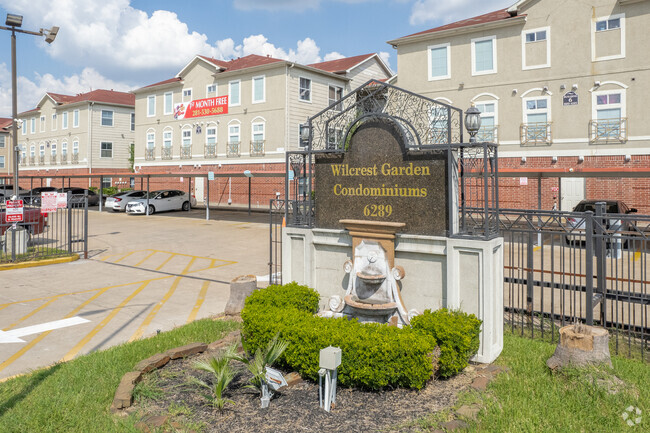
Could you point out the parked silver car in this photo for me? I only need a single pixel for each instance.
(118, 201)
(160, 201)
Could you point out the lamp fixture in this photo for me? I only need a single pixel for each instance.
(50, 34)
(14, 20)
(581, 158)
(523, 159)
(628, 158)
(472, 122)
(554, 160)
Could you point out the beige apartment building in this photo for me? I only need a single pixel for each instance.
(561, 86)
(78, 134)
(244, 114)
(6, 154)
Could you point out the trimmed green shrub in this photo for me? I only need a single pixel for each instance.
(456, 333)
(374, 356)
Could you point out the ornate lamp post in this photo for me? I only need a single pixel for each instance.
(12, 23)
(472, 122)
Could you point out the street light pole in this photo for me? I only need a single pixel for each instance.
(13, 21)
(14, 109)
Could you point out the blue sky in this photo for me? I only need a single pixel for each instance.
(125, 44)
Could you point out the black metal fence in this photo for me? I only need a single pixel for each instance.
(40, 236)
(276, 223)
(588, 267)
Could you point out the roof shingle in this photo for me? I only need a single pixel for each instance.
(489, 17)
(340, 66)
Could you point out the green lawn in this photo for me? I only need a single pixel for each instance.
(76, 396)
(530, 398)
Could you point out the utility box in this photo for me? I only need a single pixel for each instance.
(330, 358)
(20, 244)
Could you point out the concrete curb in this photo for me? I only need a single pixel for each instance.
(67, 259)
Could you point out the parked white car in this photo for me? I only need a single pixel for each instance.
(118, 201)
(160, 201)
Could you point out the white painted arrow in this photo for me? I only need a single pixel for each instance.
(13, 335)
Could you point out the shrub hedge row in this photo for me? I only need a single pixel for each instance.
(374, 356)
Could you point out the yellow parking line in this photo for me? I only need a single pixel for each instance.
(31, 314)
(537, 248)
(145, 259)
(125, 257)
(38, 339)
(199, 301)
(152, 314)
(75, 350)
(166, 261)
(637, 255)
(103, 259)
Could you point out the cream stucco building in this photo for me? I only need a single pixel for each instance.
(78, 134)
(243, 114)
(561, 86)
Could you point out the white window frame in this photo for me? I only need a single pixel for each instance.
(32, 151)
(263, 77)
(493, 99)
(311, 89)
(621, 105)
(171, 138)
(447, 47)
(54, 121)
(102, 150)
(208, 135)
(183, 131)
(494, 69)
(208, 92)
(336, 88)
(42, 124)
(230, 94)
(3, 141)
(23, 127)
(101, 118)
(64, 148)
(75, 119)
(52, 149)
(169, 95)
(150, 138)
(593, 37)
(132, 121)
(32, 125)
(150, 112)
(2, 161)
(189, 92)
(41, 150)
(236, 123)
(64, 120)
(524, 42)
(75, 147)
(256, 122)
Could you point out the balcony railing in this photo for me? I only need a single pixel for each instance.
(53, 159)
(186, 152)
(535, 134)
(210, 151)
(233, 149)
(608, 131)
(149, 153)
(75, 158)
(166, 152)
(32, 160)
(41, 159)
(488, 134)
(64, 158)
(257, 148)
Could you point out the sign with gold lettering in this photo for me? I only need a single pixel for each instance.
(377, 180)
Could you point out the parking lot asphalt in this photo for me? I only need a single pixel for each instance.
(143, 274)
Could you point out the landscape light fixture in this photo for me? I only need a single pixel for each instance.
(472, 122)
(13, 22)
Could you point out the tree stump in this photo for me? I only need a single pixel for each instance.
(240, 288)
(579, 346)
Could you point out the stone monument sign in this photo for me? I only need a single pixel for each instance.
(376, 179)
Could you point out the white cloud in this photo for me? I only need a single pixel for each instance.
(334, 55)
(385, 56)
(305, 52)
(31, 91)
(444, 12)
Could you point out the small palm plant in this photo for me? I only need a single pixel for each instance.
(257, 365)
(223, 375)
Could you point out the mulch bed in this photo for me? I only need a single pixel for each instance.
(292, 409)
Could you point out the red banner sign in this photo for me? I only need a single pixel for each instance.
(202, 107)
